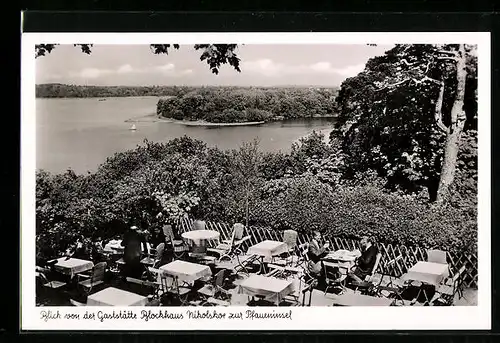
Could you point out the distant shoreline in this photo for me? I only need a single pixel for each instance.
(206, 123)
(153, 118)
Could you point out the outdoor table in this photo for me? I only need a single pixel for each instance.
(114, 246)
(267, 249)
(116, 297)
(186, 271)
(343, 259)
(356, 299)
(72, 266)
(428, 273)
(271, 288)
(199, 237)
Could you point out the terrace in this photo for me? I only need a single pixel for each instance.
(222, 265)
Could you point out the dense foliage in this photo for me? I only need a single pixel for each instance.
(393, 118)
(238, 104)
(58, 90)
(157, 182)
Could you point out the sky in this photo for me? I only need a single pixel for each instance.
(261, 65)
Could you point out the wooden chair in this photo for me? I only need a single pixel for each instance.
(332, 278)
(52, 284)
(394, 287)
(171, 285)
(282, 271)
(231, 247)
(178, 245)
(303, 256)
(445, 293)
(147, 287)
(165, 283)
(215, 291)
(95, 278)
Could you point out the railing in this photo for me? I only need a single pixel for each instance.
(410, 255)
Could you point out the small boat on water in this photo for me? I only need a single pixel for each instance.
(102, 99)
(133, 128)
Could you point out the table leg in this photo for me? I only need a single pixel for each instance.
(262, 268)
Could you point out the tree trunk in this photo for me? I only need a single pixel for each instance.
(457, 122)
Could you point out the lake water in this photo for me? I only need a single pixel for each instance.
(81, 133)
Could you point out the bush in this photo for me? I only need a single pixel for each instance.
(283, 191)
(305, 204)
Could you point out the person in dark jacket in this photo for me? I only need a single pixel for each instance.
(133, 240)
(317, 250)
(366, 262)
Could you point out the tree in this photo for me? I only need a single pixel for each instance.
(245, 168)
(214, 54)
(404, 114)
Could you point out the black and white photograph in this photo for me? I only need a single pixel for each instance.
(293, 176)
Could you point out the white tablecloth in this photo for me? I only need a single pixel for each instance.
(114, 246)
(186, 271)
(197, 236)
(427, 272)
(273, 289)
(343, 255)
(116, 297)
(268, 249)
(343, 259)
(72, 266)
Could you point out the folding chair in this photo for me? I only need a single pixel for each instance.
(332, 278)
(231, 247)
(368, 283)
(178, 245)
(214, 292)
(445, 293)
(95, 278)
(394, 287)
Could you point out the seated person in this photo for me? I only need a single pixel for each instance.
(365, 262)
(163, 256)
(317, 250)
(78, 250)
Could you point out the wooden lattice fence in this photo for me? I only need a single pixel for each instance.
(410, 255)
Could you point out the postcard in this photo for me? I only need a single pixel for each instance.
(256, 181)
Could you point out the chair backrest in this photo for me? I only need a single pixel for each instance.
(168, 232)
(331, 272)
(160, 249)
(304, 249)
(98, 272)
(219, 278)
(377, 262)
(238, 230)
(290, 238)
(436, 256)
